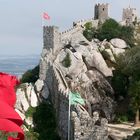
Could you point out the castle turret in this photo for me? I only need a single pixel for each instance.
(51, 37)
(51, 45)
(101, 12)
(129, 15)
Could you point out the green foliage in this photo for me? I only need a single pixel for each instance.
(89, 31)
(45, 122)
(108, 30)
(129, 64)
(67, 61)
(120, 118)
(134, 92)
(31, 76)
(31, 135)
(88, 25)
(129, 67)
(30, 111)
(135, 136)
(120, 83)
(5, 135)
(127, 34)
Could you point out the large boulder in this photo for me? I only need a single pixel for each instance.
(26, 97)
(107, 54)
(118, 43)
(97, 61)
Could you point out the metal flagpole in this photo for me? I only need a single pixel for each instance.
(69, 118)
(43, 20)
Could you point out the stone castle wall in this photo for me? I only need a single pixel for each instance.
(57, 87)
(83, 22)
(129, 15)
(83, 126)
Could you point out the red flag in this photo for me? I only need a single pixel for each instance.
(46, 16)
(10, 121)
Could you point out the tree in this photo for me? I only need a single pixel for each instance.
(127, 34)
(31, 75)
(129, 65)
(134, 92)
(67, 61)
(110, 29)
(89, 31)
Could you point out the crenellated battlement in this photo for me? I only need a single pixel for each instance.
(129, 15)
(84, 21)
(102, 4)
(68, 30)
(66, 35)
(101, 12)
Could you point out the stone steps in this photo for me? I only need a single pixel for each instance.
(119, 132)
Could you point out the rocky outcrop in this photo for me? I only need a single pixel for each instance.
(87, 69)
(27, 99)
(118, 43)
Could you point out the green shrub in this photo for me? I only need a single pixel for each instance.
(45, 122)
(119, 83)
(108, 30)
(121, 118)
(30, 76)
(67, 61)
(5, 135)
(89, 31)
(30, 111)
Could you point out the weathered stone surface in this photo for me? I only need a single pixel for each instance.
(107, 54)
(88, 72)
(118, 43)
(22, 102)
(39, 85)
(45, 93)
(26, 99)
(117, 51)
(34, 99)
(97, 61)
(29, 121)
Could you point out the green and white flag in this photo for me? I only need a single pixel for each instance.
(75, 98)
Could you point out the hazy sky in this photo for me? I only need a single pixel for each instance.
(21, 20)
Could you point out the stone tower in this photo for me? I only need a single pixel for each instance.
(129, 15)
(51, 45)
(101, 12)
(51, 37)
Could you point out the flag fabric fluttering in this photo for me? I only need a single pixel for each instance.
(75, 98)
(10, 121)
(46, 16)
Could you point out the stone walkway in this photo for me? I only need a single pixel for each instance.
(121, 131)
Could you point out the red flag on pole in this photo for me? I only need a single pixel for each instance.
(46, 16)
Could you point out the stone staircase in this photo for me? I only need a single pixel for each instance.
(120, 131)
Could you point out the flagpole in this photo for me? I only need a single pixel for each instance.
(42, 21)
(69, 119)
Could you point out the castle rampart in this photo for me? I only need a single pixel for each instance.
(129, 15)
